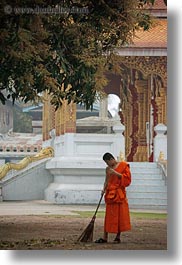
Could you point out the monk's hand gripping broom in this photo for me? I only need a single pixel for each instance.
(87, 234)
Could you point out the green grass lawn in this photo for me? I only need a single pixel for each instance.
(139, 215)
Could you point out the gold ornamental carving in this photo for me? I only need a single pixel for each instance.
(44, 153)
(62, 120)
(148, 65)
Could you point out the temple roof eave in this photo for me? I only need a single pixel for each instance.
(152, 42)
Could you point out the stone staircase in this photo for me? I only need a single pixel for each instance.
(148, 189)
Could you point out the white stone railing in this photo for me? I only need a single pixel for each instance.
(160, 142)
(160, 148)
(88, 145)
(163, 166)
(16, 148)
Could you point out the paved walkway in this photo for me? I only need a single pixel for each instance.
(41, 207)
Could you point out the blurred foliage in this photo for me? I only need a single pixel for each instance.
(22, 122)
(64, 53)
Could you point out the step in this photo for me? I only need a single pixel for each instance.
(146, 175)
(147, 195)
(142, 170)
(146, 188)
(152, 182)
(147, 201)
(147, 207)
(143, 165)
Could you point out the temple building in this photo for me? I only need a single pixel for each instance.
(130, 122)
(141, 87)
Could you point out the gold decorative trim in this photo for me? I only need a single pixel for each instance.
(148, 65)
(44, 153)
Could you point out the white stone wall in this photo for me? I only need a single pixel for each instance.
(27, 185)
(76, 180)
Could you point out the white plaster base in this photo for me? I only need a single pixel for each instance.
(76, 180)
(78, 168)
(73, 194)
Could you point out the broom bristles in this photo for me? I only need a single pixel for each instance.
(87, 235)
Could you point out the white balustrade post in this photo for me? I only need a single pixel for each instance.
(119, 144)
(160, 141)
(59, 146)
(69, 144)
(52, 134)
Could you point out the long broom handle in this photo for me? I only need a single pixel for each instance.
(98, 205)
(93, 218)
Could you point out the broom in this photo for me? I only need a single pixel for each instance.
(87, 234)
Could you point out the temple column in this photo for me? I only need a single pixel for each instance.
(63, 120)
(127, 115)
(103, 108)
(161, 101)
(48, 117)
(143, 118)
(70, 117)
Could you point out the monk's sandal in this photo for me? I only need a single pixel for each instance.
(117, 240)
(101, 240)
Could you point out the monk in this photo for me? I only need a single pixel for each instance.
(117, 218)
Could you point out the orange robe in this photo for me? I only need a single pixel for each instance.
(117, 218)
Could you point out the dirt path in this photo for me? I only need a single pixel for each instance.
(53, 232)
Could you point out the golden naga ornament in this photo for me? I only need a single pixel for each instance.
(44, 153)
